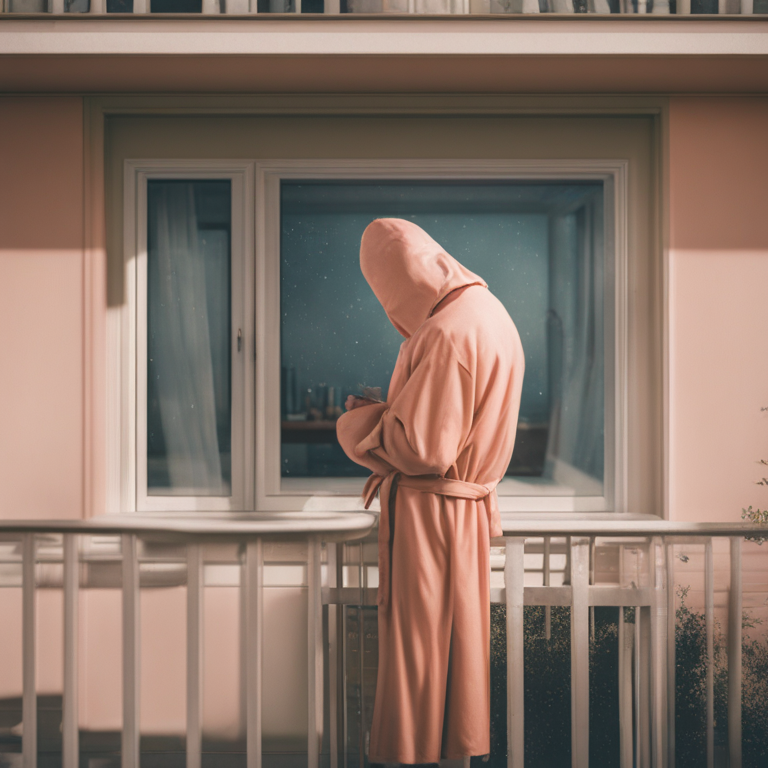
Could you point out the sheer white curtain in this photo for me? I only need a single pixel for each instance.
(181, 358)
(576, 348)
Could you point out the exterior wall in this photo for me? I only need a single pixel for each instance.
(718, 174)
(718, 258)
(41, 307)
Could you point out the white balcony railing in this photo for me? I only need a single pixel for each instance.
(441, 7)
(624, 564)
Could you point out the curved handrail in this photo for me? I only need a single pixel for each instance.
(334, 526)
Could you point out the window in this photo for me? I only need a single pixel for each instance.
(252, 322)
(188, 290)
(543, 240)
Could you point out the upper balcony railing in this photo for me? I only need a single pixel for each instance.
(637, 573)
(420, 7)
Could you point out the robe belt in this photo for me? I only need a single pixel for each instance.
(442, 486)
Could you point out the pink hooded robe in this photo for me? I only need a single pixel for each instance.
(437, 448)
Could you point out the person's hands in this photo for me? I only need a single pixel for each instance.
(355, 401)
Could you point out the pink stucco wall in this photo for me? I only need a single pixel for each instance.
(41, 307)
(718, 258)
(718, 173)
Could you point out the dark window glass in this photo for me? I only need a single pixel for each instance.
(189, 405)
(539, 247)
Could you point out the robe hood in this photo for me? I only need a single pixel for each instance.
(409, 272)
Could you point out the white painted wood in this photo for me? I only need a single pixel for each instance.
(514, 582)
(134, 335)
(275, 494)
(642, 683)
(315, 655)
(747, 6)
(194, 655)
(709, 621)
(254, 634)
(332, 6)
(626, 635)
(335, 667)
(671, 653)
(734, 656)
(56, 6)
(131, 653)
(345, 525)
(546, 579)
(29, 649)
(98, 7)
(69, 726)
(684, 7)
(211, 8)
(580, 652)
(141, 6)
(659, 668)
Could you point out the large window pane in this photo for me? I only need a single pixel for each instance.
(540, 248)
(188, 338)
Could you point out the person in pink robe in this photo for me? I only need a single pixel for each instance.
(437, 448)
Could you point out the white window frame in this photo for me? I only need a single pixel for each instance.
(275, 494)
(256, 436)
(132, 335)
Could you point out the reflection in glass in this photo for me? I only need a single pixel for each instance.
(540, 248)
(188, 338)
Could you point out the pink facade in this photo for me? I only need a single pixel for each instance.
(717, 168)
(53, 304)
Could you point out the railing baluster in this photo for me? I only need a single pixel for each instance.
(671, 655)
(131, 658)
(29, 644)
(194, 655)
(625, 691)
(514, 583)
(658, 657)
(315, 654)
(547, 579)
(334, 667)
(709, 619)
(253, 641)
(69, 726)
(734, 656)
(642, 675)
(747, 7)
(580, 652)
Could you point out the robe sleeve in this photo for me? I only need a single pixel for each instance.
(423, 430)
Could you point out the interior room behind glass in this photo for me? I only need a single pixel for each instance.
(539, 246)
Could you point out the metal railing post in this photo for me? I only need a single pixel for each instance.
(29, 648)
(69, 726)
(514, 583)
(734, 655)
(315, 655)
(671, 654)
(580, 652)
(131, 656)
(658, 656)
(709, 624)
(254, 631)
(194, 655)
